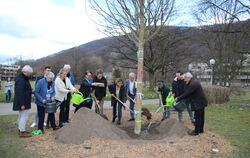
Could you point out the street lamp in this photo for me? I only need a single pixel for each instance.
(212, 62)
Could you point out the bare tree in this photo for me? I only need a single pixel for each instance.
(163, 53)
(221, 38)
(140, 21)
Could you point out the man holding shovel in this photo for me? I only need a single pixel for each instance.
(100, 92)
(131, 92)
(117, 90)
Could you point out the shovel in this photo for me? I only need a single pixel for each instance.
(125, 105)
(98, 108)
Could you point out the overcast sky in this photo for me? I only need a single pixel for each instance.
(37, 28)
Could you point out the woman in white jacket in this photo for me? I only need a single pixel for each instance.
(62, 87)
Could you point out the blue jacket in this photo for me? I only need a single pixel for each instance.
(41, 91)
(127, 87)
(22, 92)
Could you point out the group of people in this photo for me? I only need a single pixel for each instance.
(189, 90)
(59, 88)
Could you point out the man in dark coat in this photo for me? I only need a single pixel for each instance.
(22, 99)
(100, 92)
(198, 102)
(118, 90)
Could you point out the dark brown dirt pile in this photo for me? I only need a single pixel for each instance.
(160, 130)
(86, 124)
(146, 113)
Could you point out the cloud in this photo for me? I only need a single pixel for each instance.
(39, 28)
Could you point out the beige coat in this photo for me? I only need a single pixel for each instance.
(62, 90)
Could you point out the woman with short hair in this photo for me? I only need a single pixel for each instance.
(118, 90)
(45, 93)
(62, 87)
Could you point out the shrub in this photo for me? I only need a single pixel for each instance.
(217, 94)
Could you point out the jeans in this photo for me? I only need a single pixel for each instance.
(35, 117)
(8, 96)
(22, 119)
(132, 106)
(114, 104)
(190, 113)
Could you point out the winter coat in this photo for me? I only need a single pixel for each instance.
(122, 93)
(100, 92)
(23, 92)
(8, 85)
(178, 87)
(195, 94)
(164, 93)
(61, 89)
(42, 90)
(127, 82)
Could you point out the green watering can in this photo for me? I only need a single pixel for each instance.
(77, 98)
(170, 101)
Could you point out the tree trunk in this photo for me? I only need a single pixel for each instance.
(140, 71)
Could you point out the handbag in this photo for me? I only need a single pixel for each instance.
(180, 106)
(50, 107)
(170, 101)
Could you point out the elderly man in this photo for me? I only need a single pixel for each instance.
(131, 92)
(22, 99)
(198, 100)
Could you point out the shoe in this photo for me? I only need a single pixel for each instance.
(24, 134)
(37, 132)
(132, 119)
(47, 126)
(192, 133)
(113, 120)
(44, 124)
(118, 123)
(56, 128)
(33, 125)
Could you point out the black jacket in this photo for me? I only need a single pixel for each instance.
(23, 92)
(100, 92)
(86, 88)
(195, 93)
(122, 94)
(178, 87)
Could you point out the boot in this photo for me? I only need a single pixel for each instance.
(24, 134)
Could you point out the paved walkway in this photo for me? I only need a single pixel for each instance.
(6, 108)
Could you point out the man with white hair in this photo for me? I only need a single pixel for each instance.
(198, 101)
(131, 92)
(71, 77)
(22, 99)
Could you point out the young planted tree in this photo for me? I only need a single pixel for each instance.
(140, 21)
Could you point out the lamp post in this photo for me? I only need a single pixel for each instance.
(212, 62)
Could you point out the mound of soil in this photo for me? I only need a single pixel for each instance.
(86, 124)
(168, 128)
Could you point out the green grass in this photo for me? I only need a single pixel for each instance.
(231, 120)
(11, 146)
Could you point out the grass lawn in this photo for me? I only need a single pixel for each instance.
(11, 146)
